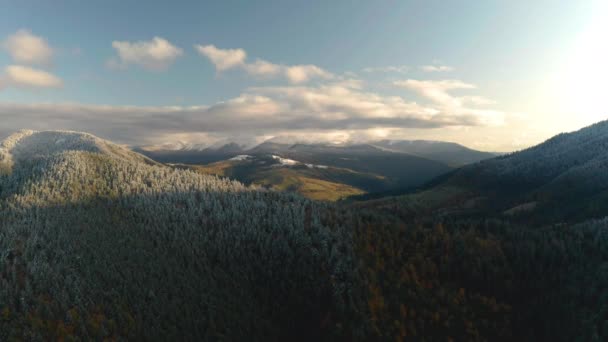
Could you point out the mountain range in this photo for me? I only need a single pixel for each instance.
(351, 169)
(100, 242)
(451, 154)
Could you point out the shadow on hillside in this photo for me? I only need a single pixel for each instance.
(173, 266)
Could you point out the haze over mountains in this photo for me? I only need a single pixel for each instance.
(449, 153)
(351, 169)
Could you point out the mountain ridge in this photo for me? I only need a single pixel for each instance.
(539, 178)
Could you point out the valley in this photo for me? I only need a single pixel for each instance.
(326, 171)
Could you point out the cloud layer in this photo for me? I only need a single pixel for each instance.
(323, 109)
(334, 107)
(156, 54)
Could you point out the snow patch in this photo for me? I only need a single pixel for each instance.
(313, 166)
(241, 157)
(285, 161)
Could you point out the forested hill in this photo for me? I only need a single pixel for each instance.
(565, 176)
(563, 179)
(97, 241)
(100, 243)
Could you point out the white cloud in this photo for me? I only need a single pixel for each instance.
(26, 48)
(156, 54)
(263, 68)
(349, 83)
(223, 59)
(436, 68)
(477, 100)
(226, 59)
(438, 92)
(23, 76)
(303, 73)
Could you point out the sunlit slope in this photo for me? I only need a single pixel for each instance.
(312, 181)
(398, 170)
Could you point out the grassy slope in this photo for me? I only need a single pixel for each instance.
(282, 179)
(317, 189)
(317, 184)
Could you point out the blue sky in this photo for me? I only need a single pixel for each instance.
(482, 73)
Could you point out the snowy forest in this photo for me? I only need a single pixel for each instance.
(100, 243)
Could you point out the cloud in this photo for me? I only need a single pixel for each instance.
(436, 91)
(477, 100)
(303, 73)
(439, 93)
(226, 59)
(293, 110)
(223, 59)
(22, 76)
(402, 69)
(156, 54)
(436, 68)
(263, 68)
(352, 83)
(26, 48)
(388, 69)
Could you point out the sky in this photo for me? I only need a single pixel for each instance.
(491, 75)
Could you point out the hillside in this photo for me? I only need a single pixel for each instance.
(318, 182)
(452, 154)
(562, 179)
(402, 169)
(124, 247)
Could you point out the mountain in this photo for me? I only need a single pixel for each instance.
(187, 155)
(403, 170)
(385, 170)
(318, 182)
(449, 153)
(98, 242)
(394, 165)
(452, 154)
(562, 179)
(126, 248)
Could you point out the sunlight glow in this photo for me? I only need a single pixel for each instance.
(583, 82)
